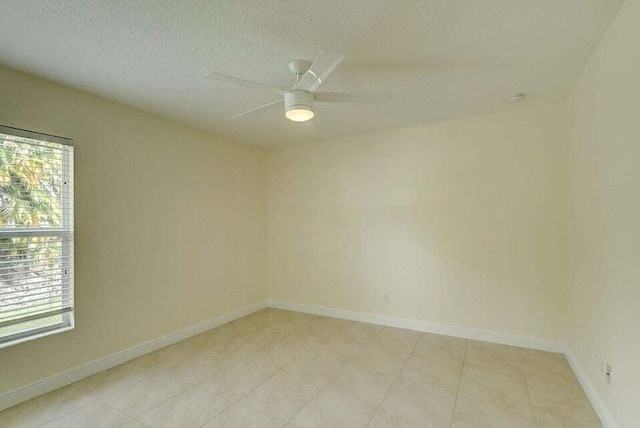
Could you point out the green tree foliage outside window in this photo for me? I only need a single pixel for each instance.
(31, 181)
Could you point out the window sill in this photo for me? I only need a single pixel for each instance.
(33, 336)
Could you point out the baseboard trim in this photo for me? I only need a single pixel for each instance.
(18, 395)
(595, 399)
(424, 326)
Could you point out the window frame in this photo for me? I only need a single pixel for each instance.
(66, 232)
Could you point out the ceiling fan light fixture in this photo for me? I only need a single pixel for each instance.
(298, 105)
(300, 114)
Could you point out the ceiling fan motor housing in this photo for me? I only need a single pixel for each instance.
(298, 100)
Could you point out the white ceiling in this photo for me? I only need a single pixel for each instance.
(438, 58)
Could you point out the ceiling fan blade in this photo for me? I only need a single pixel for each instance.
(319, 70)
(214, 75)
(320, 121)
(259, 108)
(344, 97)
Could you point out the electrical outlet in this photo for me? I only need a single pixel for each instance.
(386, 297)
(606, 369)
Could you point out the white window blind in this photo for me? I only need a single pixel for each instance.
(36, 235)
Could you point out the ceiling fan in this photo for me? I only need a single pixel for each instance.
(299, 102)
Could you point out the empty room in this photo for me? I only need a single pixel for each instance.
(358, 213)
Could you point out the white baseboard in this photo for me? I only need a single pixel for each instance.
(428, 327)
(595, 399)
(18, 395)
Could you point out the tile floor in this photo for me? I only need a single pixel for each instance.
(277, 368)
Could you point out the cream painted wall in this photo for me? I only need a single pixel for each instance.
(604, 249)
(167, 220)
(462, 222)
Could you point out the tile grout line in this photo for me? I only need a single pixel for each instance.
(257, 386)
(267, 380)
(194, 384)
(231, 364)
(103, 401)
(395, 378)
(455, 402)
(526, 386)
(153, 373)
(324, 386)
(225, 366)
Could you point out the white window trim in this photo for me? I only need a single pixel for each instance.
(68, 315)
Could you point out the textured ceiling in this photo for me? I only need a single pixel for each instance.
(438, 58)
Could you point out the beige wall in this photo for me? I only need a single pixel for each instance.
(604, 256)
(168, 219)
(460, 221)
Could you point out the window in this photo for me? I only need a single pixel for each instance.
(36, 235)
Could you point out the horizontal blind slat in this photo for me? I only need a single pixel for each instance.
(35, 268)
(42, 303)
(59, 288)
(30, 301)
(35, 283)
(33, 260)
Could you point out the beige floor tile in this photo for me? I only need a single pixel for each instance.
(191, 408)
(366, 385)
(45, 408)
(556, 392)
(244, 327)
(560, 402)
(292, 347)
(438, 347)
(280, 397)
(146, 394)
(329, 409)
(407, 405)
(582, 416)
(473, 411)
(344, 346)
(316, 367)
(380, 360)
(237, 380)
(444, 374)
(271, 358)
(288, 324)
(134, 424)
(395, 340)
(320, 327)
(359, 332)
(109, 381)
(213, 337)
(546, 365)
(241, 416)
(201, 342)
(268, 335)
(282, 367)
(505, 389)
(233, 350)
(94, 415)
(198, 368)
(164, 358)
(494, 358)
